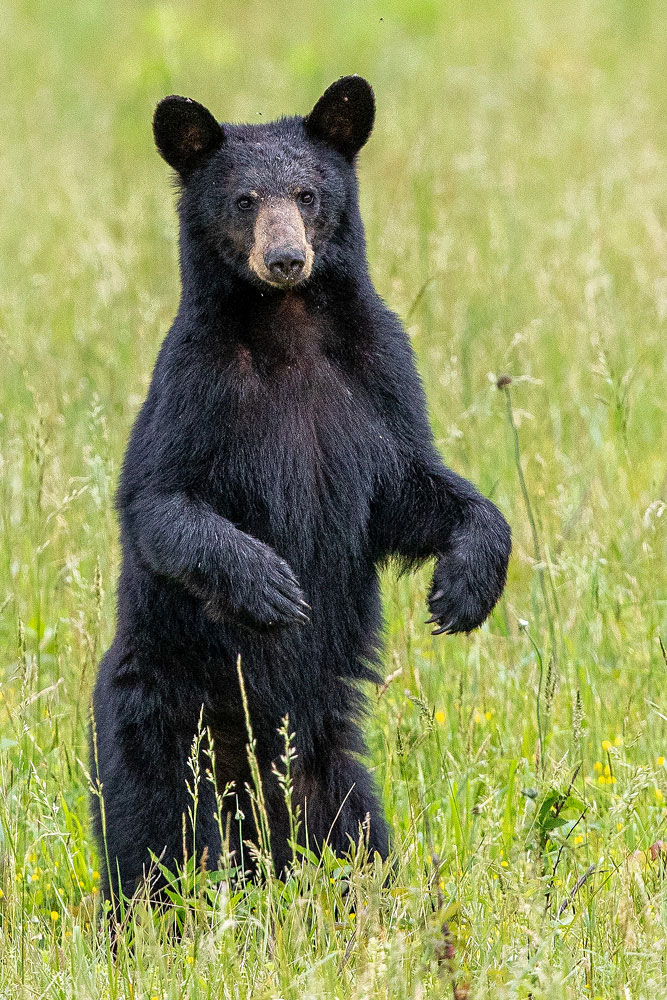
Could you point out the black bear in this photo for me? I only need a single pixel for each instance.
(282, 455)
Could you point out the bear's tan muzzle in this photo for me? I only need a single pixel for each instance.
(281, 254)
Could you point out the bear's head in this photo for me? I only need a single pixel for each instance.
(276, 203)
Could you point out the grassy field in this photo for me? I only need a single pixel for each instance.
(515, 197)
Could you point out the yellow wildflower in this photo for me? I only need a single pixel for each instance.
(440, 718)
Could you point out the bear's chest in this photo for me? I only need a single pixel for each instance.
(301, 449)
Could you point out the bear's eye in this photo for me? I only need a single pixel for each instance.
(245, 202)
(306, 197)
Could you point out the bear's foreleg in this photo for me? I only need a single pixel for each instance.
(236, 576)
(431, 511)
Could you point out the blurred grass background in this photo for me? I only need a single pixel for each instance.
(515, 198)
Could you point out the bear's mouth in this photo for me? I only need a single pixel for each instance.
(281, 255)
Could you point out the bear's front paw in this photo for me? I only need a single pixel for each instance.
(278, 598)
(458, 601)
(264, 595)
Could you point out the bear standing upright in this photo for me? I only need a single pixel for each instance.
(282, 455)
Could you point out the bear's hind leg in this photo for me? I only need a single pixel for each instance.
(339, 804)
(140, 763)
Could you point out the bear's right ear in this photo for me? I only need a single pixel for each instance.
(185, 133)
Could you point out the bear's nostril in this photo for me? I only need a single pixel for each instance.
(285, 264)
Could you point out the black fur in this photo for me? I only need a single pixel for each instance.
(344, 115)
(282, 455)
(185, 132)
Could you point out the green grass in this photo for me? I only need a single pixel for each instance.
(515, 197)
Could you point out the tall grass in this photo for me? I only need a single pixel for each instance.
(515, 196)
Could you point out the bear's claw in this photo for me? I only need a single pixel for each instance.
(447, 629)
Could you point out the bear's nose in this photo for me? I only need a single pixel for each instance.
(284, 263)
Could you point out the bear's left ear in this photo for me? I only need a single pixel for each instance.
(344, 115)
(185, 133)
